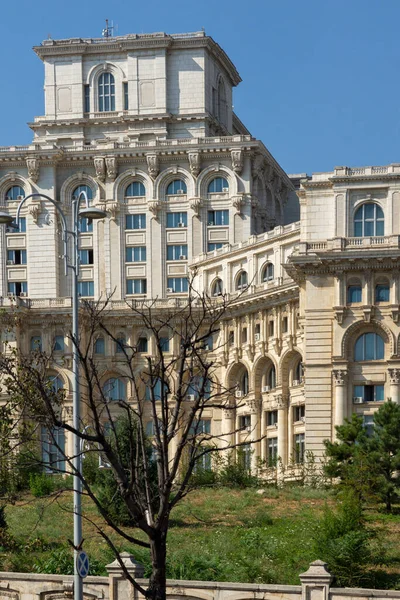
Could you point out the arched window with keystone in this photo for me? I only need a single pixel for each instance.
(135, 189)
(106, 92)
(114, 389)
(369, 220)
(177, 186)
(218, 185)
(268, 272)
(15, 193)
(369, 346)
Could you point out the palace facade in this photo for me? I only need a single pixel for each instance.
(144, 125)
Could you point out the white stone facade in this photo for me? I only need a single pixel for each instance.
(144, 125)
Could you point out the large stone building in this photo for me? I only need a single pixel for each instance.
(144, 125)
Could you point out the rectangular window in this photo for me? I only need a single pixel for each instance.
(257, 329)
(272, 417)
(136, 286)
(176, 219)
(218, 217)
(20, 229)
(136, 254)
(16, 257)
(86, 225)
(201, 426)
(272, 451)
(86, 288)
(177, 285)
(214, 246)
(244, 422)
(299, 413)
(142, 344)
(231, 338)
(86, 257)
(18, 288)
(135, 221)
(244, 335)
(353, 294)
(299, 447)
(271, 328)
(53, 448)
(284, 325)
(99, 346)
(164, 343)
(126, 96)
(245, 456)
(177, 252)
(369, 393)
(382, 293)
(87, 98)
(58, 343)
(209, 343)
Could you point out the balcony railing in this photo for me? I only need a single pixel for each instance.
(350, 243)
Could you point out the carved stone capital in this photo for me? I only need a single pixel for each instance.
(35, 208)
(238, 203)
(154, 207)
(111, 166)
(152, 165)
(195, 205)
(100, 167)
(282, 401)
(194, 163)
(394, 376)
(113, 209)
(339, 313)
(237, 159)
(253, 404)
(339, 376)
(368, 312)
(33, 167)
(228, 413)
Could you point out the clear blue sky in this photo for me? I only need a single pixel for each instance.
(321, 78)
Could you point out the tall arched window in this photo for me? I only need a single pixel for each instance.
(218, 185)
(36, 343)
(271, 378)
(56, 383)
(268, 272)
(241, 281)
(114, 389)
(135, 189)
(176, 187)
(369, 220)
(16, 192)
(369, 346)
(82, 188)
(217, 287)
(106, 92)
(243, 383)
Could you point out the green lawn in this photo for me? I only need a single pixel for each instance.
(216, 534)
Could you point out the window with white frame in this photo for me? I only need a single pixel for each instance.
(176, 219)
(268, 272)
(178, 186)
(15, 192)
(58, 345)
(369, 346)
(272, 451)
(99, 346)
(135, 221)
(21, 226)
(114, 389)
(135, 189)
(299, 447)
(241, 281)
(53, 449)
(369, 392)
(218, 185)
(135, 254)
(217, 287)
(36, 343)
(17, 288)
(106, 92)
(86, 288)
(177, 285)
(16, 257)
(177, 252)
(369, 220)
(136, 286)
(218, 217)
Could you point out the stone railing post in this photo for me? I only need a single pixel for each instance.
(119, 587)
(315, 583)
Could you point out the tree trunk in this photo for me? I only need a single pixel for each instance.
(157, 581)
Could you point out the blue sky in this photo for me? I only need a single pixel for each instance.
(321, 78)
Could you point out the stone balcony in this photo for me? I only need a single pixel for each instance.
(339, 244)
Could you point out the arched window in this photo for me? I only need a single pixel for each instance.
(106, 88)
(82, 188)
(16, 192)
(135, 189)
(58, 345)
(369, 220)
(36, 343)
(382, 291)
(268, 272)
(217, 287)
(218, 185)
(56, 383)
(196, 387)
(99, 346)
(157, 390)
(241, 281)
(271, 378)
(120, 344)
(354, 291)
(176, 187)
(298, 373)
(114, 389)
(243, 383)
(369, 346)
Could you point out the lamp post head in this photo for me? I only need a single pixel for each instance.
(6, 218)
(92, 213)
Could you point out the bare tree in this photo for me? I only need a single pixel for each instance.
(163, 396)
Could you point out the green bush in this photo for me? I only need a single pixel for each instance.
(232, 472)
(61, 562)
(41, 484)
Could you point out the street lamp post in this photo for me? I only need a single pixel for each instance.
(88, 213)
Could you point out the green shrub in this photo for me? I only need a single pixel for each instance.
(232, 472)
(41, 484)
(61, 562)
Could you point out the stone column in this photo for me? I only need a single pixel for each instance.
(228, 426)
(255, 434)
(394, 391)
(282, 428)
(315, 583)
(119, 587)
(340, 378)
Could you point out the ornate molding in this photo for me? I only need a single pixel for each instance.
(394, 376)
(100, 167)
(33, 167)
(113, 209)
(194, 163)
(154, 207)
(339, 313)
(368, 312)
(35, 208)
(237, 159)
(281, 401)
(195, 205)
(112, 167)
(153, 165)
(253, 404)
(238, 203)
(339, 376)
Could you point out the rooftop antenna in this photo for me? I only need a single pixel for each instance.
(108, 30)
